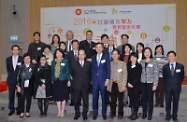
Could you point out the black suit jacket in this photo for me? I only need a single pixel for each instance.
(90, 51)
(173, 82)
(71, 57)
(81, 75)
(12, 74)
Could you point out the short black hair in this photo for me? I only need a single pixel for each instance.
(36, 33)
(15, 46)
(99, 43)
(42, 56)
(159, 46)
(75, 40)
(134, 54)
(60, 50)
(57, 37)
(124, 35)
(171, 51)
(62, 43)
(89, 31)
(147, 48)
(139, 44)
(115, 50)
(128, 45)
(104, 35)
(26, 55)
(47, 46)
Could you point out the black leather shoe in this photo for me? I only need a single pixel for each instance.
(76, 117)
(168, 118)
(120, 117)
(11, 113)
(175, 119)
(112, 116)
(104, 118)
(18, 113)
(94, 117)
(144, 116)
(85, 118)
(149, 117)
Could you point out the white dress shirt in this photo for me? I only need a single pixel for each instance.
(14, 61)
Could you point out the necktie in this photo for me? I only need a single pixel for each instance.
(110, 53)
(81, 63)
(69, 46)
(172, 69)
(75, 55)
(98, 60)
(14, 63)
(90, 43)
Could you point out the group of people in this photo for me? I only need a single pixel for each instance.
(70, 70)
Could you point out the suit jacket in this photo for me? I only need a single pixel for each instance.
(26, 73)
(12, 74)
(68, 46)
(150, 74)
(173, 82)
(102, 72)
(71, 58)
(81, 75)
(121, 75)
(90, 51)
(64, 70)
(106, 51)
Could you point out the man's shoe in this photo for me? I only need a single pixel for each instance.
(11, 113)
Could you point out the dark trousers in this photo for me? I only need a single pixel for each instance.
(11, 90)
(172, 96)
(84, 94)
(43, 103)
(28, 98)
(134, 95)
(147, 98)
(96, 88)
(159, 93)
(116, 95)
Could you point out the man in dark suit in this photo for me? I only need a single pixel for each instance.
(110, 47)
(173, 74)
(81, 75)
(88, 45)
(69, 37)
(36, 48)
(104, 40)
(72, 57)
(12, 64)
(100, 79)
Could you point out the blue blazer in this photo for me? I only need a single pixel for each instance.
(102, 72)
(12, 74)
(64, 70)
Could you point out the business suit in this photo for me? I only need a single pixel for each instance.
(72, 59)
(12, 81)
(89, 49)
(81, 82)
(100, 73)
(68, 45)
(118, 79)
(173, 87)
(108, 51)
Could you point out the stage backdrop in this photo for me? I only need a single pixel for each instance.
(149, 24)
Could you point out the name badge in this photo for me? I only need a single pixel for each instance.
(150, 65)
(43, 80)
(103, 61)
(119, 70)
(30, 69)
(133, 66)
(19, 63)
(158, 59)
(48, 60)
(62, 64)
(39, 48)
(38, 69)
(26, 83)
(93, 48)
(178, 70)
